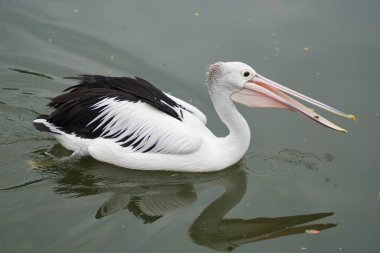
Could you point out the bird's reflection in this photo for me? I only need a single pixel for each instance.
(151, 195)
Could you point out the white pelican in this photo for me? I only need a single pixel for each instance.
(129, 123)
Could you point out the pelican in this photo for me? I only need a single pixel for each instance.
(130, 123)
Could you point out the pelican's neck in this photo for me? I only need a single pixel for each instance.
(236, 143)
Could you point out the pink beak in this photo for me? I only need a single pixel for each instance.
(262, 92)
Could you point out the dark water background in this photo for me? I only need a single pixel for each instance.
(298, 176)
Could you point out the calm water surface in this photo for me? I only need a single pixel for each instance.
(298, 177)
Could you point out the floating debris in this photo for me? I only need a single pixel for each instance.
(75, 10)
(9, 88)
(24, 184)
(312, 231)
(23, 71)
(306, 49)
(197, 14)
(303, 248)
(328, 157)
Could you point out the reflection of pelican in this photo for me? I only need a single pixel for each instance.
(130, 123)
(210, 229)
(151, 195)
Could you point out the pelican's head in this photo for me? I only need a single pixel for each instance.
(245, 86)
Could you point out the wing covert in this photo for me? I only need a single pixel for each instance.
(190, 108)
(142, 128)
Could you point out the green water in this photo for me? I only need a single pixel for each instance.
(298, 176)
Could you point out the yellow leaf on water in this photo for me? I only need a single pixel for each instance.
(196, 14)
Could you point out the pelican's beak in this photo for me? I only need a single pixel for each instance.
(262, 92)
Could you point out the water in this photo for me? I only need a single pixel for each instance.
(297, 176)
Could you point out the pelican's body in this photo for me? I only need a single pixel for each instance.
(130, 123)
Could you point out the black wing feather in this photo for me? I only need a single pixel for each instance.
(73, 110)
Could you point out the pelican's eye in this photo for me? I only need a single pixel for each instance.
(246, 74)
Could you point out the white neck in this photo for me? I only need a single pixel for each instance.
(236, 143)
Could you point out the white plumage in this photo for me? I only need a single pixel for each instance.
(130, 119)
